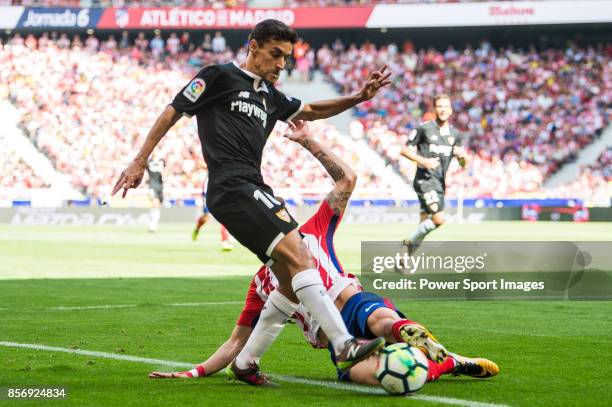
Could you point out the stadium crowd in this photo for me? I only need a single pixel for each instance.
(531, 109)
(524, 113)
(56, 87)
(15, 172)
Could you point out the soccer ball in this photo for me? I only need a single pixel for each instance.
(402, 369)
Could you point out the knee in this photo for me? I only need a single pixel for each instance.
(300, 258)
(438, 219)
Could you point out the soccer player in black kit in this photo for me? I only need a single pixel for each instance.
(236, 109)
(436, 142)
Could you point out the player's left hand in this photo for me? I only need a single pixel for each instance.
(299, 131)
(377, 80)
(461, 155)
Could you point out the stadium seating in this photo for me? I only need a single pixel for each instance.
(55, 90)
(526, 108)
(525, 112)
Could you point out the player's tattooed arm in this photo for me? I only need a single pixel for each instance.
(338, 200)
(342, 174)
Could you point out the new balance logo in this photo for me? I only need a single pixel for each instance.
(353, 352)
(244, 94)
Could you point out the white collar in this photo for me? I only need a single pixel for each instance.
(258, 83)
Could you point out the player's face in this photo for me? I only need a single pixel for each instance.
(270, 58)
(443, 110)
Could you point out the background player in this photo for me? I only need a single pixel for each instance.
(432, 147)
(226, 244)
(237, 108)
(365, 314)
(155, 168)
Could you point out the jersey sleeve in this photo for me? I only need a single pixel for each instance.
(322, 221)
(286, 106)
(198, 93)
(415, 136)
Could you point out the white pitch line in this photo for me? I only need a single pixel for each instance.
(196, 304)
(110, 306)
(289, 379)
(61, 308)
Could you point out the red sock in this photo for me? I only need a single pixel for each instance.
(224, 234)
(397, 325)
(435, 370)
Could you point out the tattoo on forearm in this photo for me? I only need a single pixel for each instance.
(338, 200)
(331, 167)
(306, 144)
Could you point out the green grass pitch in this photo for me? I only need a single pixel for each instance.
(550, 353)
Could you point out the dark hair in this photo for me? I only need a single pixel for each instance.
(267, 30)
(440, 97)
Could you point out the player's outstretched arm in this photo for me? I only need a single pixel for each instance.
(331, 107)
(222, 357)
(342, 174)
(131, 177)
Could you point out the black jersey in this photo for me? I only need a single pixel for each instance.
(433, 141)
(236, 110)
(155, 168)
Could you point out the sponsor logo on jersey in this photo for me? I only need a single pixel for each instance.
(439, 149)
(194, 90)
(283, 215)
(250, 110)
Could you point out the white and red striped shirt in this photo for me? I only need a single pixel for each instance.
(318, 235)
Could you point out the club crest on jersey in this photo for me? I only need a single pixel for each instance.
(194, 90)
(434, 207)
(434, 137)
(451, 140)
(283, 215)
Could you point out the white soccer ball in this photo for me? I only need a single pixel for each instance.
(402, 369)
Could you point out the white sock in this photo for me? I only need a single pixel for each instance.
(272, 319)
(154, 215)
(422, 230)
(309, 289)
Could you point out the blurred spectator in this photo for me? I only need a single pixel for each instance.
(173, 44)
(207, 43)
(218, 43)
(157, 46)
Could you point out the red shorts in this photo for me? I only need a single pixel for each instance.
(252, 308)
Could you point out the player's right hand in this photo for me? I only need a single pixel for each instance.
(430, 163)
(131, 177)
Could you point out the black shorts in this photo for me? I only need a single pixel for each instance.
(252, 214)
(156, 191)
(431, 195)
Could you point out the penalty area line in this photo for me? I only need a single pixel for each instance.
(288, 379)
